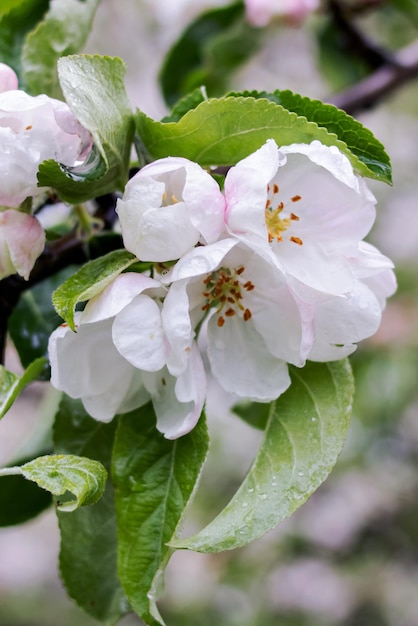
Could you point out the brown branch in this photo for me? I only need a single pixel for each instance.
(381, 83)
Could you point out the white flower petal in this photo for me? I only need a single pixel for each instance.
(241, 362)
(121, 291)
(341, 322)
(138, 334)
(246, 191)
(178, 402)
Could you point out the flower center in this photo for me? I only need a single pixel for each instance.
(224, 290)
(278, 216)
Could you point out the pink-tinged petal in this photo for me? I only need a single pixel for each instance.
(121, 291)
(8, 78)
(333, 208)
(261, 12)
(242, 363)
(138, 334)
(178, 402)
(341, 322)
(22, 240)
(246, 191)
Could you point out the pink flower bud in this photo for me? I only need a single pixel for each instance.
(261, 12)
(22, 240)
(8, 78)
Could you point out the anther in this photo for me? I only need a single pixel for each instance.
(296, 198)
(297, 240)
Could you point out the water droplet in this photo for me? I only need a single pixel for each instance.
(314, 419)
(263, 496)
(250, 490)
(244, 505)
(301, 473)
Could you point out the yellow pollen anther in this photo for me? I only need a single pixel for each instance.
(297, 240)
(296, 198)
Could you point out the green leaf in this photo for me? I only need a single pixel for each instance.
(16, 20)
(94, 90)
(154, 480)
(211, 47)
(12, 385)
(34, 318)
(59, 473)
(20, 499)
(189, 102)
(88, 555)
(63, 31)
(359, 140)
(256, 414)
(409, 7)
(223, 131)
(305, 433)
(88, 281)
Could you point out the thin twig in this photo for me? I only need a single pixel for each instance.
(384, 81)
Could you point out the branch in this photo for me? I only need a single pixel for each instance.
(402, 68)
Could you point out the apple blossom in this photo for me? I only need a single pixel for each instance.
(261, 12)
(301, 207)
(121, 356)
(254, 324)
(22, 240)
(168, 207)
(33, 129)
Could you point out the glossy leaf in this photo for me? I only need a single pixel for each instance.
(94, 89)
(223, 131)
(59, 473)
(359, 140)
(16, 20)
(154, 479)
(88, 281)
(88, 565)
(304, 435)
(12, 385)
(64, 30)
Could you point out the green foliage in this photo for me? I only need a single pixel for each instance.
(94, 89)
(34, 318)
(359, 140)
(236, 126)
(154, 479)
(208, 51)
(63, 31)
(409, 8)
(12, 385)
(16, 20)
(88, 281)
(304, 435)
(60, 473)
(20, 499)
(88, 565)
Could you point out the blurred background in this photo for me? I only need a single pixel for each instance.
(349, 556)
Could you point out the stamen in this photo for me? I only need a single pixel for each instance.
(224, 294)
(275, 188)
(294, 217)
(296, 198)
(297, 240)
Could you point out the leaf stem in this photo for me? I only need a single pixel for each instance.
(11, 471)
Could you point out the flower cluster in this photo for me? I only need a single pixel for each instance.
(270, 270)
(32, 130)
